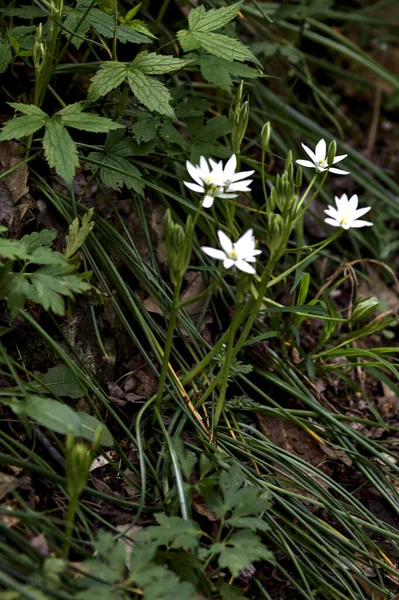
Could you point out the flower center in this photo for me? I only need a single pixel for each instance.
(232, 254)
(322, 162)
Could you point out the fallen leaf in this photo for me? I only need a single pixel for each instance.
(40, 543)
(16, 181)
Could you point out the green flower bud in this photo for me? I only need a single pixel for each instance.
(288, 160)
(332, 150)
(239, 123)
(364, 308)
(298, 177)
(39, 50)
(265, 136)
(178, 246)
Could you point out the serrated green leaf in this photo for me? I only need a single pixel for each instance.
(108, 77)
(51, 414)
(173, 532)
(210, 20)
(157, 64)
(145, 129)
(115, 180)
(104, 25)
(77, 233)
(225, 47)
(61, 381)
(24, 12)
(220, 71)
(32, 241)
(75, 22)
(139, 26)
(230, 592)
(89, 426)
(23, 35)
(60, 150)
(159, 583)
(215, 128)
(151, 92)
(20, 127)
(12, 249)
(188, 41)
(85, 121)
(169, 133)
(253, 523)
(50, 284)
(239, 551)
(29, 109)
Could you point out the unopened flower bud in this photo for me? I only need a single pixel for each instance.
(364, 308)
(332, 150)
(265, 136)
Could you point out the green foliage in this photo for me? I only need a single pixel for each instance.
(59, 148)
(60, 381)
(239, 551)
(77, 233)
(203, 23)
(45, 276)
(151, 92)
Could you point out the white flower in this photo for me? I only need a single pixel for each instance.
(319, 159)
(347, 214)
(215, 181)
(238, 255)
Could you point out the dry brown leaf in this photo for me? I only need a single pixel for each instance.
(16, 182)
(8, 483)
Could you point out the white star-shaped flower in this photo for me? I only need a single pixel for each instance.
(347, 214)
(238, 254)
(214, 181)
(319, 159)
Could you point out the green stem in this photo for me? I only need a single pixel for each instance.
(115, 37)
(168, 343)
(70, 521)
(228, 362)
(160, 16)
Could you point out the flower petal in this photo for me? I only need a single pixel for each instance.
(240, 186)
(305, 163)
(208, 201)
(213, 252)
(353, 203)
(341, 202)
(332, 212)
(194, 187)
(223, 195)
(310, 153)
(230, 167)
(360, 223)
(225, 242)
(228, 262)
(339, 158)
(338, 171)
(245, 245)
(193, 172)
(321, 150)
(332, 222)
(241, 175)
(244, 266)
(204, 167)
(361, 211)
(214, 164)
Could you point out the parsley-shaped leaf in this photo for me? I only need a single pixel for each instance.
(77, 233)
(173, 532)
(239, 551)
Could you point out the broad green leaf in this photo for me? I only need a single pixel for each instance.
(160, 583)
(214, 129)
(89, 426)
(75, 22)
(29, 109)
(23, 36)
(230, 592)
(110, 75)
(138, 26)
(60, 150)
(15, 290)
(157, 64)
(77, 233)
(48, 412)
(169, 133)
(104, 25)
(61, 381)
(204, 21)
(239, 551)
(151, 92)
(24, 12)
(72, 116)
(173, 532)
(188, 41)
(20, 127)
(115, 180)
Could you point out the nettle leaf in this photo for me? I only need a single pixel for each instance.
(151, 92)
(239, 551)
(72, 116)
(201, 25)
(75, 22)
(157, 64)
(60, 149)
(110, 75)
(220, 71)
(173, 532)
(51, 414)
(21, 126)
(60, 381)
(113, 178)
(77, 233)
(29, 109)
